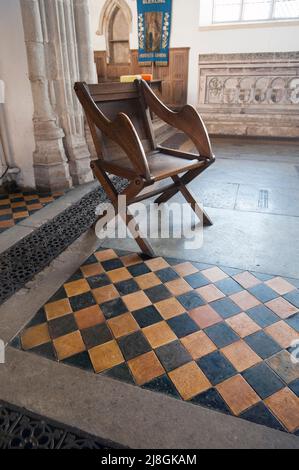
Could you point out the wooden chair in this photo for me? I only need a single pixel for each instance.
(119, 117)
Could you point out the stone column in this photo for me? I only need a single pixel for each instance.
(65, 71)
(50, 161)
(87, 66)
(59, 54)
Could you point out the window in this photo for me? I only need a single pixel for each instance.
(237, 11)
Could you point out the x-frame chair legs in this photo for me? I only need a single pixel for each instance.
(135, 187)
(130, 192)
(181, 186)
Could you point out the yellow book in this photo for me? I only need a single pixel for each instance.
(129, 78)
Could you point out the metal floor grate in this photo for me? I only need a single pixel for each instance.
(20, 263)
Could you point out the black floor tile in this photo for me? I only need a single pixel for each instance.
(183, 325)
(190, 300)
(197, 280)
(211, 399)
(113, 308)
(78, 302)
(99, 280)
(228, 286)
(293, 321)
(127, 287)
(167, 274)
(163, 385)
(294, 386)
(221, 334)
(263, 293)
(262, 344)
(80, 360)
(225, 307)
(293, 297)
(260, 414)
(138, 269)
(134, 345)
(96, 335)
(147, 316)
(62, 326)
(157, 293)
(120, 372)
(216, 367)
(263, 316)
(173, 355)
(263, 380)
(112, 264)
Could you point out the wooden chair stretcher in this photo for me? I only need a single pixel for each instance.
(119, 117)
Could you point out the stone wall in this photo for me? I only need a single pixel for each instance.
(250, 94)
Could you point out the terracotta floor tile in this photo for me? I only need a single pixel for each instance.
(76, 287)
(147, 280)
(131, 259)
(282, 333)
(120, 274)
(69, 345)
(241, 355)
(205, 316)
(189, 380)
(4, 202)
(35, 336)
(58, 309)
(105, 255)
(178, 287)
(169, 308)
(34, 207)
(146, 367)
(243, 325)
(156, 264)
(92, 269)
(159, 334)
(105, 356)
(105, 293)
(123, 325)
(6, 223)
(282, 307)
(245, 300)
(89, 317)
(285, 406)
(5, 211)
(184, 269)
(247, 280)
(280, 285)
(210, 293)
(20, 215)
(198, 344)
(136, 301)
(214, 274)
(238, 394)
(15, 205)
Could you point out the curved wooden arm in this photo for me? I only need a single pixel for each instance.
(187, 120)
(121, 130)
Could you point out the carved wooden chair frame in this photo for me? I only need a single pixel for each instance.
(122, 131)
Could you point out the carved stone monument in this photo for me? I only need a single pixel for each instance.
(250, 94)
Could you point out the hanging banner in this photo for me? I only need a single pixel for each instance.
(154, 23)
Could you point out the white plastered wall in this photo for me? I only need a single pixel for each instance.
(18, 106)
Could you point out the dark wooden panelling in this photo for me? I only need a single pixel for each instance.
(174, 77)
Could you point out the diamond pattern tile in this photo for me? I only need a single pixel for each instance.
(216, 337)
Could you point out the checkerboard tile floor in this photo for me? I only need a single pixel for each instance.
(19, 205)
(216, 337)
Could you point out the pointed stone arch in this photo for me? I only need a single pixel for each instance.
(107, 16)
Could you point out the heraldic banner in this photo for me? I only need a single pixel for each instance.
(154, 23)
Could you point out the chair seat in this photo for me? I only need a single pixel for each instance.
(162, 165)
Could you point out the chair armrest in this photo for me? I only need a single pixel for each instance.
(121, 130)
(186, 120)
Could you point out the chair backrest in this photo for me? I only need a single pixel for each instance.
(112, 99)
